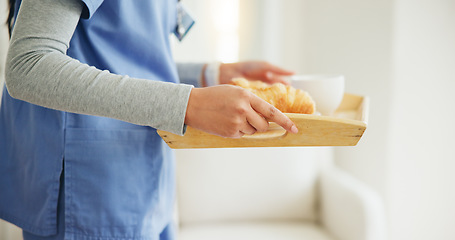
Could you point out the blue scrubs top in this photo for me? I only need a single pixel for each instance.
(118, 177)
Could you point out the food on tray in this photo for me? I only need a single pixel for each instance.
(286, 98)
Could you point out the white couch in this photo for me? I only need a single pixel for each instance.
(272, 193)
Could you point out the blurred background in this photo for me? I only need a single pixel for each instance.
(400, 53)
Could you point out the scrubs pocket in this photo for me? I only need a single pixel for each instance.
(113, 180)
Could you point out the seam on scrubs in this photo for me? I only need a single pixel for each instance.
(52, 208)
(69, 225)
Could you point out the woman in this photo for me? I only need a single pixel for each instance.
(89, 82)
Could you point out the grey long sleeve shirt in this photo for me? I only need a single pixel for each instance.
(39, 71)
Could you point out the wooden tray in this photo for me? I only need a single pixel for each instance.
(344, 128)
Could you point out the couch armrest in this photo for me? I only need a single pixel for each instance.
(349, 209)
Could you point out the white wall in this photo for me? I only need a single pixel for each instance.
(421, 153)
(353, 38)
(3, 41)
(401, 53)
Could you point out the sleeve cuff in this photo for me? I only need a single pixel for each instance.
(190, 73)
(175, 119)
(212, 74)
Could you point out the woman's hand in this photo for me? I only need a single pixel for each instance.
(253, 70)
(231, 111)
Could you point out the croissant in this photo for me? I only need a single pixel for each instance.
(286, 98)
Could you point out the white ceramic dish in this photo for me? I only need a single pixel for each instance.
(326, 90)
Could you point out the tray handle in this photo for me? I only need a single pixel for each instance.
(274, 131)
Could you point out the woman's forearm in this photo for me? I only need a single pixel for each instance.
(39, 71)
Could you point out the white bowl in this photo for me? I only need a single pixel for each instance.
(326, 90)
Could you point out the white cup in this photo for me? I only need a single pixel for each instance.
(327, 91)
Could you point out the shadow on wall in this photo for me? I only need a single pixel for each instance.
(4, 38)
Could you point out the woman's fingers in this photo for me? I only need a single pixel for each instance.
(274, 78)
(231, 111)
(272, 114)
(248, 129)
(278, 70)
(257, 121)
